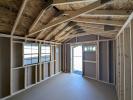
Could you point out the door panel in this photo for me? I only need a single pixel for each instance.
(89, 60)
(90, 69)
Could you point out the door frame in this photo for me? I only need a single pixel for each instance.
(72, 56)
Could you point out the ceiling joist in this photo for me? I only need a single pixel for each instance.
(19, 16)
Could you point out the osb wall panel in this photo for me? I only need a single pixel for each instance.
(103, 61)
(4, 67)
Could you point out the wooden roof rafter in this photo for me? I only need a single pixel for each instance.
(74, 5)
(110, 34)
(68, 33)
(63, 32)
(19, 16)
(101, 32)
(130, 18)
(105, 17)
(111, 12)
(87, 9)
(51, 10)
(56, 30)
(47, 24)
(91, 31)
(100, 28)
(44, 33)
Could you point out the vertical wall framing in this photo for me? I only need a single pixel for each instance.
(127, 63)
(114, 60)
(108, 61)
(108, 45)
(119, 68)
(124, 67)
(19, 77)
(131, 47)
(97, 59)
(11, 65)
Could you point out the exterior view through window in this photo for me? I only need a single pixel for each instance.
(31, 53)
(45, 53)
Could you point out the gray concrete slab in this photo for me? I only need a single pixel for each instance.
(68, 87)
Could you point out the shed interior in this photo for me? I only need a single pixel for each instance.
(37, 37)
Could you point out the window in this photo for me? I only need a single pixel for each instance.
(45, 53)
(90, 48)
(30, 53)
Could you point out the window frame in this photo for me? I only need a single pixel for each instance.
(31, 57)
(45, 52)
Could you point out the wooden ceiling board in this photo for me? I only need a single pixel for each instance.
(30, 12)
(8, 8)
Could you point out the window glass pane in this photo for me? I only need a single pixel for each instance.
(57, 50)
(27, 46)
(45, 53)
(48, 47)
(91, 48)
(47, 58)
(94, 48)
(34, 60)
(43, 58)
(30, 53)
(27, 61)
(27, 56)
(34, 55)
(34, 51)
(43, 48)
(35, 47)
(27, 51)
(85, 49)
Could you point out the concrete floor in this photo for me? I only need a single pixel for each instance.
(68, 87)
